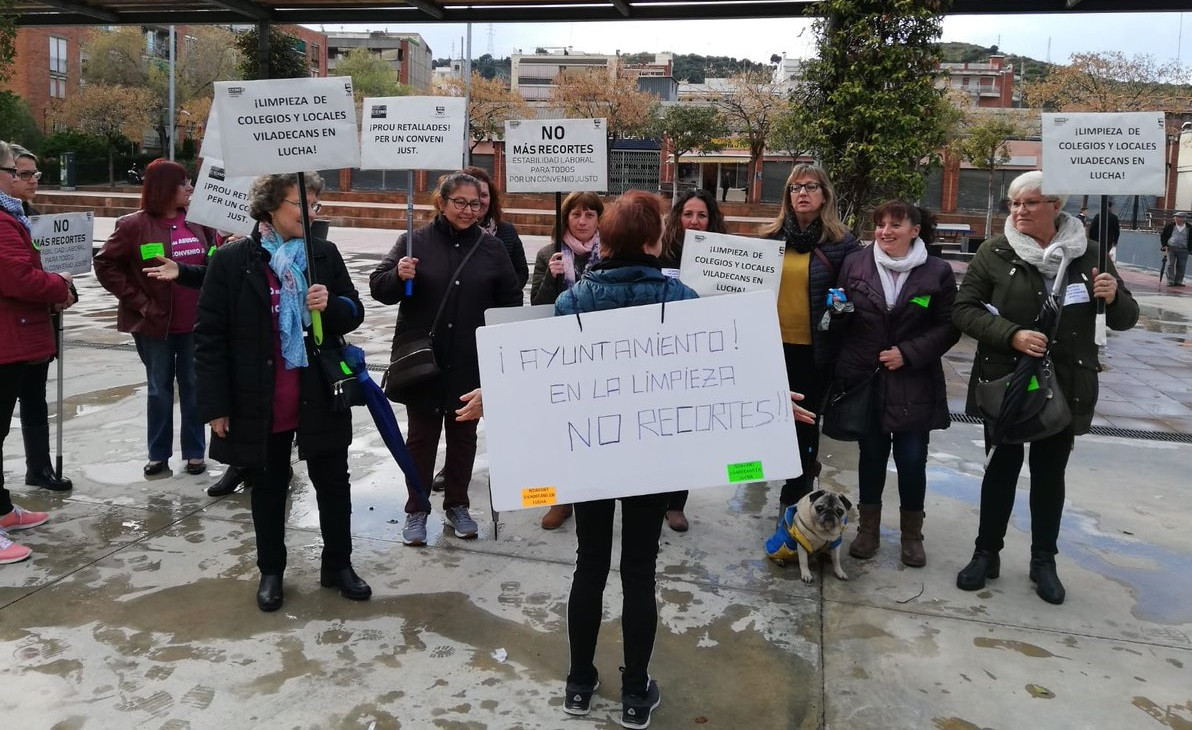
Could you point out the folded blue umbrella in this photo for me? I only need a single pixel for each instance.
(382, 414)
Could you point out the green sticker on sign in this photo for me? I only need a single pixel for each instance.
(152, 250)
(746, 471)
(923, 301)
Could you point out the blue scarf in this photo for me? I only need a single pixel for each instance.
(13, 206)
(288, 262)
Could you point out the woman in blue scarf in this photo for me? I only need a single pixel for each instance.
(259, 387)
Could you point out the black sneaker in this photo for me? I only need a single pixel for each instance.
(579, 698)
(636, 709)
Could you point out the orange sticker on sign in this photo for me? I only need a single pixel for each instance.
(538, 496)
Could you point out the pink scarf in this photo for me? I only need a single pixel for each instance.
(576, 247)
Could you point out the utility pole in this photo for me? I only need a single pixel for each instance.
(172, 121)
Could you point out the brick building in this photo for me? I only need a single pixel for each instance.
(48, 68)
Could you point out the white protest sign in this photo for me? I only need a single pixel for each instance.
(554, 155)
(212, 144)
(1104, 154)
(287, 125)
(636, 404)
(219, 201)
(413, 133)
(64, 240)
(720, 263)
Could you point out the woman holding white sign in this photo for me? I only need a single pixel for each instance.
(893, 343)
(262, 389)
(627, 276)
(816, 243)
(459, 271)
(999, 304)
(160, 314)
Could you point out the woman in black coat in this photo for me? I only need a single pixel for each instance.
(486, 280)
(259, 385)
(899, 331)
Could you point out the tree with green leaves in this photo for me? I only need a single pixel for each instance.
(985, 147)
(689, 128)
(872, 110)
(372, 76)
(17, 123)
(8, 38)
(286, 59)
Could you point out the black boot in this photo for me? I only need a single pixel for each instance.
(269, 593)
(985, 564)
(349, 584)
(227, 484)
(439, 483)
(1047, 583)
(46, 478)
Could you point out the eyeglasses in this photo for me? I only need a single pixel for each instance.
(809, 187)
(316, 207)
(1029, 204)
(10, 170)
(29, 175)
(461, 203)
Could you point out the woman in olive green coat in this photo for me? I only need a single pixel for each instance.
(999, 298)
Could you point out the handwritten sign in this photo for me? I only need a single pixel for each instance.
(1104, 154)
(719, 263)
(413, 133)
(65, 241)
(287, 125)
(633, 403)
(549, 155)
(220, 201)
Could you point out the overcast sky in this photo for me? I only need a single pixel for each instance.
(1042, 36)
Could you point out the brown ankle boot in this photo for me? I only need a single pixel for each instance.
(912, 539)
(556, 516)
(865, 544)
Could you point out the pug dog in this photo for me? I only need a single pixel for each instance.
(814, 523)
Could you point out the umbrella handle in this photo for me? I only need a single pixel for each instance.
(316, 325)
(409, 287)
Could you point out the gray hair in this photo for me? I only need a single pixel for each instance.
(6, 152)
(18, 152)
(269, 191)
(1029, 181)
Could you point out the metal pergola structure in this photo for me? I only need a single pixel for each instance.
(196, 12)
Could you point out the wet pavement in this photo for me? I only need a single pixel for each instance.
(137, 607)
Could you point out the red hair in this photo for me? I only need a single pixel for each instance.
(631, 223)
(160, 190)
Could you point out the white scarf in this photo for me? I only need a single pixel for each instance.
(1069, 238)
(887, 266)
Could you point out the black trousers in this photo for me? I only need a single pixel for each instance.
(676, 501)
(11, 375)
(641, 525)
(1048, 462)
(422, 439)
(803, 377)
(329, 474)
(35, 416)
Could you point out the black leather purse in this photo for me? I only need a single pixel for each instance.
(849, 414)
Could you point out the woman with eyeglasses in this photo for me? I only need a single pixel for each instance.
(997, 304)
(487, 279)
(27, 295)
(261, 390)
(160, 312)
(35, 413)
(815, 244)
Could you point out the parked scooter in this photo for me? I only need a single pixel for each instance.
(135, 176)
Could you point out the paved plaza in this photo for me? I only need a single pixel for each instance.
(137, 608)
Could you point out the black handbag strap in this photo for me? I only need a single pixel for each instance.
(434, 325)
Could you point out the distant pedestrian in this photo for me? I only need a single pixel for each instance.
(1115, 230)
(27, 294)
(1173, 242)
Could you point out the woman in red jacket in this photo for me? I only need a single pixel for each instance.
(27, 295)
(160, 314)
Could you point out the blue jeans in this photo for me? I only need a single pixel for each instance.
(910, 458)
(164, 360)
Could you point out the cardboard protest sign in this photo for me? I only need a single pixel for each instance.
(1104, 154)
(219, 201)
(64, 241)
(413, 133)
(720, 263)
(554, 155)
(634, 403)
(287, 125)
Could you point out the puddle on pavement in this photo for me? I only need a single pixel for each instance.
(96, 400)
(749, 498)
(1158, 319)
(1159, 588)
